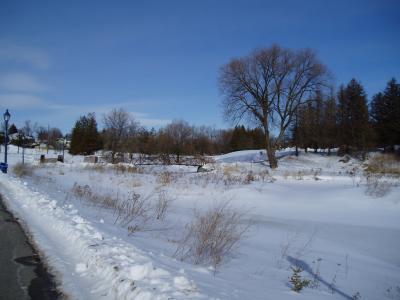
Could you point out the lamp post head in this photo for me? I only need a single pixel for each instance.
(6, 116)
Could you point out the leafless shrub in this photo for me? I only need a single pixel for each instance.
(23, 170)
(132, 208)
(299, 175)
(353, 173)
(377, 186)
(162, 205)
(212, 236)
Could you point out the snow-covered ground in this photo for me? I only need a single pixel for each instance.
(313, 211)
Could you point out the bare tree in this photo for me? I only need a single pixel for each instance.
(177, 138)
(117, 124)
(28, 128)
(267, 87)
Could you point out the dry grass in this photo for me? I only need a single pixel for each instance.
(23, 170)
(166, 178)
(229, 170)
(123, 168)
(212, 236)
(117, 168)
(384, 164)
(95, 167)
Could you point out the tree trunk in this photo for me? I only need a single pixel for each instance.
(273, 163)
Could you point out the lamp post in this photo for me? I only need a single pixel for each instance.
(6, 116)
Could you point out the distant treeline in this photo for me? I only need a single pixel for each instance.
(343, 120)
(122, 133)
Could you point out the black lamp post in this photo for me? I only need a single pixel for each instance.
(6, 116)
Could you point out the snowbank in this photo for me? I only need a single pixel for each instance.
(90, 264)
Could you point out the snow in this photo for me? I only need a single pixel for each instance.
(309, 212)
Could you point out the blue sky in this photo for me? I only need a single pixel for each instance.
(160, 59)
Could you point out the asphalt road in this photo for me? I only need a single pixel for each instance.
(22, 275)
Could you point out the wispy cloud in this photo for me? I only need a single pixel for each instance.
(21, 101)
(23, 54)
(21, 82)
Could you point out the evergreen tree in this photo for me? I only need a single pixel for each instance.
(239, 140)
(12, 129)
(85, 138)
(385, 115)
(353, 119)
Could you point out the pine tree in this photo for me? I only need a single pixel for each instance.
(12, 129)
(85, 137)
(353, 118)
(385, 115)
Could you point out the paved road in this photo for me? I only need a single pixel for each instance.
(22, 275)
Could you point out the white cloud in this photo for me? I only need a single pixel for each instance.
(24, 54)
(20, 101)
(21, 82)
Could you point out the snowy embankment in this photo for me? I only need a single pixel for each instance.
(90, 264)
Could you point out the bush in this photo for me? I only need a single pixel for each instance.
(131, 209)
(377, 186)
(212, 236)
(22, 170)
(161, 206)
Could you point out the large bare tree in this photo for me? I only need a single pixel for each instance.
(267, 87)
